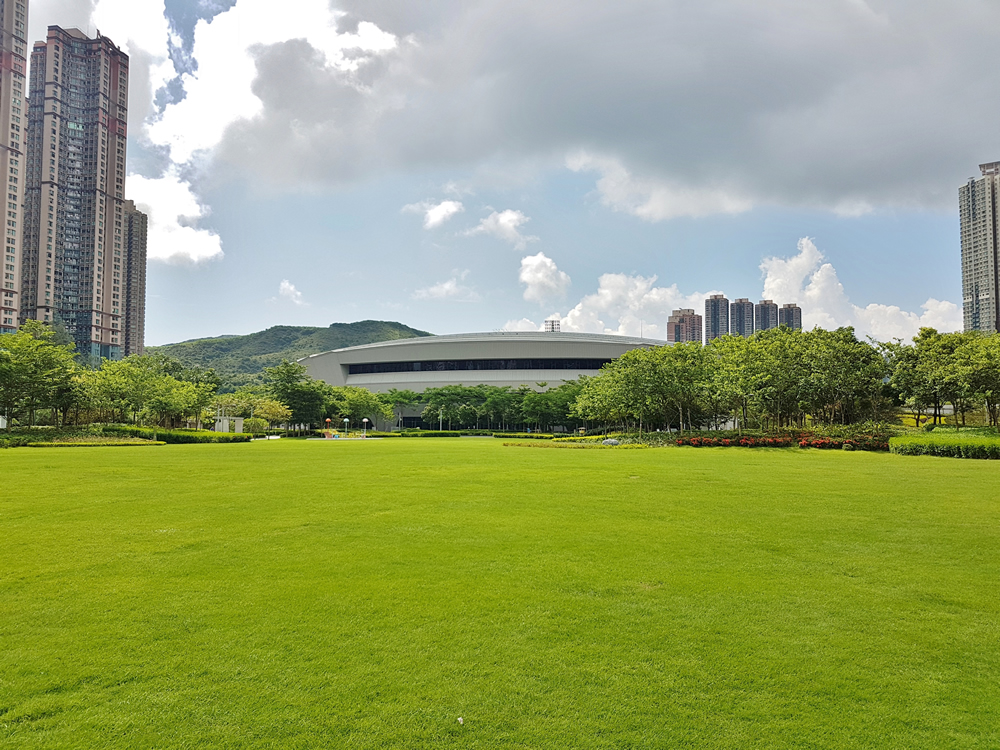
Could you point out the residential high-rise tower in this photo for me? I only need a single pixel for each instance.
(790, 315)
(977, 209)
(13, 122)
(741, 318)
(716, 317)
(73, 251)
(683, 325)
(135, 279)
(765, 315)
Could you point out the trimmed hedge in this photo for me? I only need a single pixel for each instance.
(431, 433)
(947, 446)
(95, 445)
(176, 436)
(571, 446)
(524, 435)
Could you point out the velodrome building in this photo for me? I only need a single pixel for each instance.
(501, 358)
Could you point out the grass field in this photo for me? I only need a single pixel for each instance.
(367, 594)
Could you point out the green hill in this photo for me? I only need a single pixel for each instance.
(239, 359)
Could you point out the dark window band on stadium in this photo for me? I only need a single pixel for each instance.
(449, 365)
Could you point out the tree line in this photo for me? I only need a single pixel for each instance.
(781, 377)
(775, 379)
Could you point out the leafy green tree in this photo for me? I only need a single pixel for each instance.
(400, 400)
(289, 384)
(34, 371)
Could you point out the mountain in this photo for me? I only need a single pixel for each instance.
(239, 359)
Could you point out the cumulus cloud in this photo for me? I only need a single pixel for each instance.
(806, 279)
(435, 214)
(626, 305)
(173, 213)
(542, 279)
(450, 289)
(287, 291)
(706, 107)
(683, 109)
(228, 85)
(653, 199)
(505, 225)
(523, 325)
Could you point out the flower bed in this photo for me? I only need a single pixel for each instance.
(859, 443)
(743, 442)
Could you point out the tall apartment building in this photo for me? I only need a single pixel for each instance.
(683, 325)
(741, 318)
(73, 251)
(791, 316)
(136, 223)
(716, 317)
(765, 315)
(13, 121)
(977, 209)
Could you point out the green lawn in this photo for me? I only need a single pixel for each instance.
(308, 594)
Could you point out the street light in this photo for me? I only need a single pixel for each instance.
(329, 432)
(365, 433)
(346, 423)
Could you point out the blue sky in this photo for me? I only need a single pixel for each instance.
(479, 165)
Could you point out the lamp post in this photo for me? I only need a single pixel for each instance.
(365, 432)
(346, 424)
(329, 432)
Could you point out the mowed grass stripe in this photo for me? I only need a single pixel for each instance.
(303, 594)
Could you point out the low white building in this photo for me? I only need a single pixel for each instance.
(501, 358)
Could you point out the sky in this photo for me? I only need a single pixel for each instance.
(480, 165)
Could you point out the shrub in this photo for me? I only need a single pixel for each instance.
(864, 443)
(743, 442)
(431, 433)
(947, 446)
(175, 436)
(524, 435)
(108, 444)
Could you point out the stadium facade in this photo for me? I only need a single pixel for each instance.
(501, 359)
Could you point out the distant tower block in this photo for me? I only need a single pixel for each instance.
(716, 317)
(765, 315)
(978, 202)
(683, 326)
(552, 325)
(741, 318)
(791, 316)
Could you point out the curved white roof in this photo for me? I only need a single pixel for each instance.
(578, 354)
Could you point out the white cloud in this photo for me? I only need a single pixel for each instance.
(221, 91)
(435, 214)
(654, 199)
(506, 226)
(452, 288)
(524, 324)
(807, 280)
(287, 290)
(542, 278)
(173, 209)
(630, 305)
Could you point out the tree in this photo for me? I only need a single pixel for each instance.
(34, 371)
(304, 397)
(399, 400)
